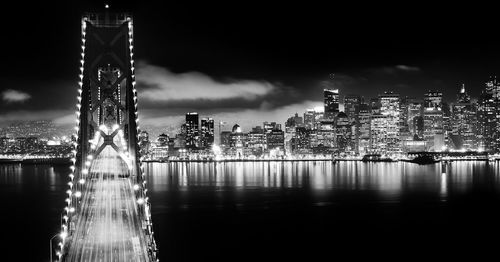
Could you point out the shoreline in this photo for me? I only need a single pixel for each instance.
(37, 161)
(303, 160)
(66, 161)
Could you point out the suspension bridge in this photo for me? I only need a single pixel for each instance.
(108, 215)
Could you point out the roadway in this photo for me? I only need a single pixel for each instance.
(108, 226)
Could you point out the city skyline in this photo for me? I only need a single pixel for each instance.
(252, 68)
(258, 131)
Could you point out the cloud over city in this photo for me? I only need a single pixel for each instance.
(159, 84)
(15, 96)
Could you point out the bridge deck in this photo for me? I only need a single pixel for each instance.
(108, 227)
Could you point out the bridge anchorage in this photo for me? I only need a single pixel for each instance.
(108, 215)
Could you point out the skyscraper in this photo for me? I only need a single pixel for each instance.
(300, 142)
(343, 132)
(433, 120)
(207, 132)
(364, 129)
(312, 118)
(389, 107)
(378, 129)
(414, 108)
(192, 130)
(351, 109)
(351, 106)
(331, 97)
(488, 115)
(463, 122)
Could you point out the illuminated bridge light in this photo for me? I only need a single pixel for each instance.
(108, 150)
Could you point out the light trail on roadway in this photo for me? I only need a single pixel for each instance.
(108, 227)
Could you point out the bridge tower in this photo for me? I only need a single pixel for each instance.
(106, 116)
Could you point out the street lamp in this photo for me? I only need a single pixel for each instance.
(50, 244)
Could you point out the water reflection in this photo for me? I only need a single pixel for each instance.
(387, 179)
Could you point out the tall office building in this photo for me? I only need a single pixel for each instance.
(312, 118)
(343, 130)
(389, 107)
(351, 106)
(433, 120)
(414, 111)
(331, 104)
(207, 133)
(488, 115)
(378, 129)
(364, 129)
(463, 122)
(192, 130)
(275, 139)
(301, 143)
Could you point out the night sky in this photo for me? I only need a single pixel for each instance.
(249, 61)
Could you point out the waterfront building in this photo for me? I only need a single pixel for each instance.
(389, 107)
(256, 141)
(433, 120)
(192, 130)
(378, 129)
(237, 141)
(463, 123)
(225, 139)
(323, 139)
(343, 134)
(364, 129)
(275, 139)
(207, 133)
(414, 111)
(487, 121)
(301, 143)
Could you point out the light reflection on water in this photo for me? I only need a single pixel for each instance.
(388, 180)
(191, 201)
(17, 175)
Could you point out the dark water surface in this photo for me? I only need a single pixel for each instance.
(306, 211)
